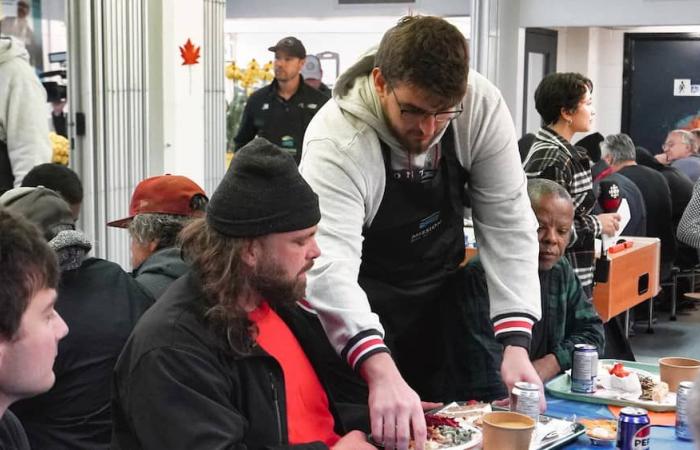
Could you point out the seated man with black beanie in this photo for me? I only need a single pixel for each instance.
(225, 359)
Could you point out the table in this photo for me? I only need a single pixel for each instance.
(662, 438)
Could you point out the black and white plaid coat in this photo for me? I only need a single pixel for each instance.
(554, 158)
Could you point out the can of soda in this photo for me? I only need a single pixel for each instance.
(633, 429)
(584, 368)
(525, 399)
(682, 425)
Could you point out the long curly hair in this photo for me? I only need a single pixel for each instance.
(216, 260)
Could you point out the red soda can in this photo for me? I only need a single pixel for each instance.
(633, 429)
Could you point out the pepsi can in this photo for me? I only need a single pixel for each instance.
(584, 368)
(525, 399)
(633, 429)
(682, 426)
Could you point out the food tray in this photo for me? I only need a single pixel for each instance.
(561, 387)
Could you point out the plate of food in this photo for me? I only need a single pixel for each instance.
(447, 433)
(451, 427)
(621, 383)
(601, 432)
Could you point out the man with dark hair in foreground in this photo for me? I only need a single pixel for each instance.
(30, 328)
(101, 304)
(225, 359)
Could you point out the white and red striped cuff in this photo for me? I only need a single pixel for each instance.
(362, 346)
(513, 324)
(514, 329)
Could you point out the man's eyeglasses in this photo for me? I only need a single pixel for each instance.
(418, 115)
(668, 144)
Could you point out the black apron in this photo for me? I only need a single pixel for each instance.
(410, 256)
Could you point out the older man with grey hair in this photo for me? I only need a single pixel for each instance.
(160, 207)
(680, 150)
(619, 152)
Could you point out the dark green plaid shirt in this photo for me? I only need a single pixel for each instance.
(568, 317)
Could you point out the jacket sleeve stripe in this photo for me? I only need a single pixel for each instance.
(352, 352)
(364, 347)
(513, 324)
(498, 321)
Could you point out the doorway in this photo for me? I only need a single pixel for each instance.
(659, 75)
(540, 60)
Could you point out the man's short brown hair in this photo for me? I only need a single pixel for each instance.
(27, 265)
(427, 52)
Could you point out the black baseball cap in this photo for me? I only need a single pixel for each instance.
(291, 45)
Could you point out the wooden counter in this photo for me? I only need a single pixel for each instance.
(633, 278)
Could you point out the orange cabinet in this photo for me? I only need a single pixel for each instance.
(633, 277)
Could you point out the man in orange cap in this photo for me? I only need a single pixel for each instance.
(160, 207)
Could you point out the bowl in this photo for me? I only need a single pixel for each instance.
(506, 430)
(673, 370)
(602, 442)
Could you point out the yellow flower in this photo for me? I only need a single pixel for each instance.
(253, 65)
(61, 148)
(233, 72)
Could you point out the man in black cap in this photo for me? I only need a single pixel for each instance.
(225, 359)
(281, 111)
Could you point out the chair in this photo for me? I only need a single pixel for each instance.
(677, 273)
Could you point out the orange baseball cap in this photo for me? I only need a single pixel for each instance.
(164, 194)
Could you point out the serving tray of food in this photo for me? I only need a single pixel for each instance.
(457, 426)
(621, 383)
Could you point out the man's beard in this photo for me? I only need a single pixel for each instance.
(271, 282)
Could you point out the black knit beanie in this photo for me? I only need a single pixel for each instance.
(262, 193)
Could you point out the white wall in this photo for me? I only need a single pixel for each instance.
(591, 38)
(576, 13)
(331, 8)
(598, 54)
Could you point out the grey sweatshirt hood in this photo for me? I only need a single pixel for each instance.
(356, 94)
(166, 261)
(11, 48)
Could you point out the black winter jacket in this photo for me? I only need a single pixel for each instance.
(177, 386)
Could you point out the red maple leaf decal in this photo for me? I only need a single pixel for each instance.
(189, 53)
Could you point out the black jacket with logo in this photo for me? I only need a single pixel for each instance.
(177, 386)
(282, 122)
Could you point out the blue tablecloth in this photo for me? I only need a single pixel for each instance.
(662, 438)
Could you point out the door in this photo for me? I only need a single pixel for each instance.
(540, 60)
(652, 63)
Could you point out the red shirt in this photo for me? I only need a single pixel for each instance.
(308, 415)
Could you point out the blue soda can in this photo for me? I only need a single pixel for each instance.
(584, 368)
(633, 429)
(682, 426)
